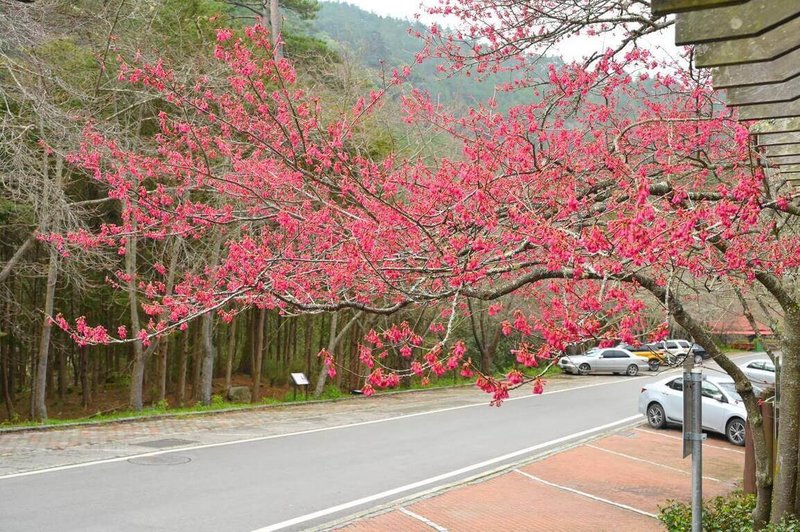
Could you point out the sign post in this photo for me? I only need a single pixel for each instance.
(693, 439)
(299, 379)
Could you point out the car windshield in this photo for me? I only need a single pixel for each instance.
(730, 389)
(592, 352)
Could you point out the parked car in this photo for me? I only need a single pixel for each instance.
(760, 372)
(655, 356)
(675, 351)
(608, 360)
(674, 347)
(699, 353)
(722, 409)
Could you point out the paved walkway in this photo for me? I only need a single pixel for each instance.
(613, 483)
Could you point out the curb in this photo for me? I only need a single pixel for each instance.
(134, 419)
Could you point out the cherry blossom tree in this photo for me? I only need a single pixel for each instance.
(620, 183)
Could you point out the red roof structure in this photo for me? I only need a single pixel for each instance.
(738, 325)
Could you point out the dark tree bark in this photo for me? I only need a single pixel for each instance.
(209, 354)
(184, 355)
(207, 336)
(6, 382)
(307, 321)
(259, 353)
(197, 355)
(785, 489)
(231, 353)
(40, 388)
(85, 371)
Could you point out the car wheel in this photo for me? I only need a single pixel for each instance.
(698, 359)
(735, 431)
(584, 369)
(656, 417)
(653, 364)
(633, 370)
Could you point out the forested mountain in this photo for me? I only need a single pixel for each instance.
(383, 43)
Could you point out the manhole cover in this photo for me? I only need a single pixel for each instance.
(161, 459)
(163, 444)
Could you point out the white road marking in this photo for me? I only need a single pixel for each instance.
(636, 459)
(424, 520)
(587, 495)
(706, 444)
(299, 433)
(444, 476)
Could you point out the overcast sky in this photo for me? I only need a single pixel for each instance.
(574, 49)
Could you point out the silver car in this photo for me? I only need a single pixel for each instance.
(608, 360)
(760, 372)
(722, 408)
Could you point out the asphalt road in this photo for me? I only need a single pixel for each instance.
(297, 481)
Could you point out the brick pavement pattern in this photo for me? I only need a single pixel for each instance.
(611, 483)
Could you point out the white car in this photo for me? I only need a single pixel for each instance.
(608, 360)
(760, 372)
(722, 410)
(674, 347)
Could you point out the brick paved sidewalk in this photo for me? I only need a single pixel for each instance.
(613, 483)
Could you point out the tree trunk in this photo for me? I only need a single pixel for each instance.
(184, 354)
(163, 349)
(6, 382)
(262, 314)
(323, 370)
(9, 267)
(163, 346)
(39, 388)
(783, 502)
(136, 398)
(275, 27)
(333, 341)
(231, 353)
(86, 397)
(209, 354)
(248, 351)
(197, 356)
(40, 391)
(61, 377)
(307, 321)
(207, 335)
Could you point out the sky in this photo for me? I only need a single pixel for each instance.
(572, 50)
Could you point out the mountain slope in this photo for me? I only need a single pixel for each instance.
(383, 43)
